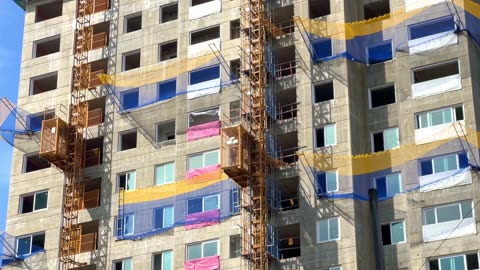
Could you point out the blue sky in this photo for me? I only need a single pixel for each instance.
(11, 36)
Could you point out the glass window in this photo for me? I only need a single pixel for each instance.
(453, 263)
(389, 185)
(163, 261)
(325, 136)
(393, 233)
(439, 117)
(194, 251)
(165, 173)
(203, 160)
(328, 230)
(202, 250)
(203, 75)
(125, 225)
(163, 217)
(326, 182)
(447, 213)
(33, 202)
(203, 204)
(130, 99)
(126, 181)
(125, 264)
(26, 245)
(443, 164)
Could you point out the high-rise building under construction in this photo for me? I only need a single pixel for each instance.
(245, 134)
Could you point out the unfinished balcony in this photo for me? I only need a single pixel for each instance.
(235, 153)
(87, 242)
(97, 68)
(96, 111)
(91, 194)
(100, 35)
(93, 152)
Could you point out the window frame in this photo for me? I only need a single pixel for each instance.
(122, 220)
(164, 123)
(464, 255)
(165, 171)
(34, 201)
(429, 22)
(126, 180)
(161, 12)
(430, 66)
(428, 113)
(47, 39)
(203, 158)
(326, 181)
(130, 16)
(203, 202)
(376, 45)
(129, 53)
(24, 165)
(202, 247)
(372, 138)
(162, 258)
(317, 228)
(123, 263)
(40, 77)
(459, 204)
(165, 82)
(17, 239)
(120, 139)
(160, 54)
(201, 69)
(323, 83)
(444, 156)
(379, 87)
(391, 234)
(387, 193)
(324, 137)
(122, 97)
(203, 29)
(163, 217)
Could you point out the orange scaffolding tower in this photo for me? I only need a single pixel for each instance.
(63, 145)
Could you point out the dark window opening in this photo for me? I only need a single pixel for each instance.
(376, 9)
(96, 111)
(204, 35)
(286, 60)
(235, 69)
(288, 189)
(168, 50)
(382, 96)
(289, 241)
(288, 143)
(386, 235)
(131, 60)
(93, 151)
(320, 137)
(133, 23)
(169, 13)
(287, 104)
(199, 2)
(38, 242)
(48, 11)
(44, 83)
(128, 140)
(203, 117)
(323, 92)
(235, 248)
(378, 144)
(101, 32)
(282, 18)
(91, 195)
(33, 202)
(88, 237)
(46, 46)
(34, 121)
(166, 131)
(235, 29)
(34, 163)
(435, 72)
(318, 8)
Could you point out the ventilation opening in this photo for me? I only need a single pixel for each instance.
(127, 140)
(169, 13)
(43, 83)
(287, 102)
(203, 117)
(96, 68)
(133, 23)
(283, 19)
(91, 195)
(166, 131)
(235, 247)
(235, 29)
(93, 151)
(199, 2)
(435, 72)
(288, 193)
(46, 46)
(34, 121)
(289, 241)
(168, 50)
(235, 69)
(34, 163)
(205, 35)
(382, 96)
(131, 60)
(96, 111)
(318, 8)
(288, 144)
(101, 32)
(376, 9)
(323, 92)
(285, 58)
(88, 237)
(48, 11)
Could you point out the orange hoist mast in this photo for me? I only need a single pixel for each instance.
(244, 142)
(62, 142)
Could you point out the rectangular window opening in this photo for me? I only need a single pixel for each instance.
(131, 60)
(93, 151)
(43, 83)
(163, 217)
(33, 162)
(33, 202)
(46, 46)
(130, 99)
(101, 31)
(322, 48)
(289, 241)
(326, 182)
(168, 50)
(48, 11)
(439, 117)
(199, 2)
(202, 250)
(165, 131)
(127, 140)
(235, 247)
(235, 29)
(393, 233)
(388, 185)
(34, 121)
(385, 140)
(29, 244)
(325, 136)
(203, 117)
(204, 35)
(125, 264)
(318, 8)
(204, 75)
(323, 92)
(235, 69)
(203, 204)
(169, 12)
(165, 173)
(435, 72)
(328, 230)
(133, 23)
(382, 96)
(376, 9)
(163, 261)
(126, 181)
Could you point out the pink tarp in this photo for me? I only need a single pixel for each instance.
(200, 171)
(208, 263)
(203, 131)
(202, 219)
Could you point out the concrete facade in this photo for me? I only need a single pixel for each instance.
(350, 111)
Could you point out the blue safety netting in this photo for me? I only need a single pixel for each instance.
(15, 121)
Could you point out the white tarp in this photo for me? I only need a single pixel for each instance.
(416, 4)
(445, 180)
(204, 9)
(437, 86)
(439, 132)
(444, 230)
(203, 48)
(432, 42)
(203, 88)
